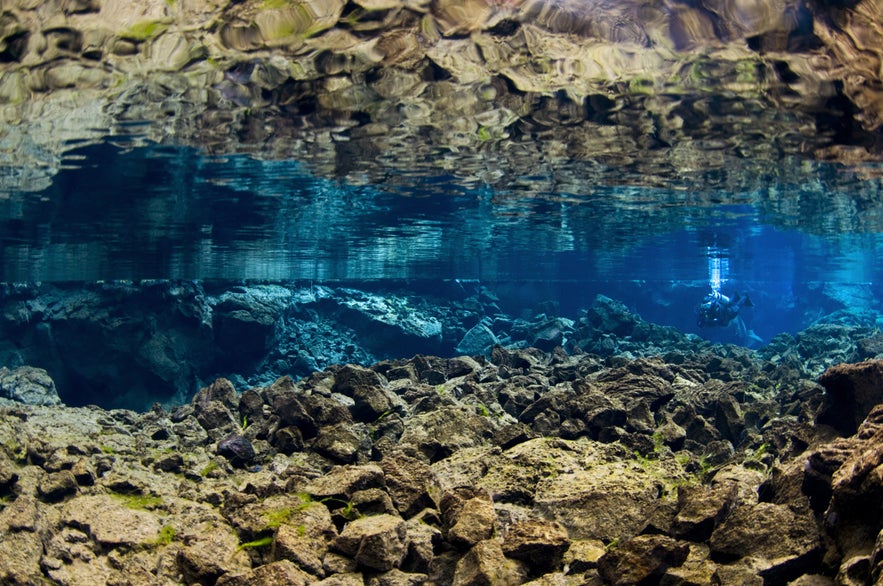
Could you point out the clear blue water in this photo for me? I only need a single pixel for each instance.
(160, 212)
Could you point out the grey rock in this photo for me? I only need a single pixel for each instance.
(237, 449)
(29, 385)
(479, 339)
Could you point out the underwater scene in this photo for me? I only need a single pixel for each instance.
(441, 292)
(184, 267)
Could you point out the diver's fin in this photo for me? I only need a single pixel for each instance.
(754, 337)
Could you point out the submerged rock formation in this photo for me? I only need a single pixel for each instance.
(130, 345)
(530, 467)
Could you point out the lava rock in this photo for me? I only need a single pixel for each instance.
(237, 449)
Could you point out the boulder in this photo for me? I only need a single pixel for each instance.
(110, 523)
(539, 544)
(851, 391)
(788, 541)
(408, 480)
(642, 560)
(378, 542)
(479, 339)
(474, 520)
(855, 485)
(701, 509)
(29, 385)
(486, 564)
(279, 573)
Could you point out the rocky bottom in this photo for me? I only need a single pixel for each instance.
(713, 467)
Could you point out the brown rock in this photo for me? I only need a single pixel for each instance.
(407, 480)
(20, 553)
(343, 481)
(344, 443)
(642, 559)
(378, 542)
(57, 485)
(485, 565)
(352, 377)
(211, 550)
(110, 523)
(856, 487)
(475, 521)
(851, 390)
(700, 510)
(538, 543)
(281, 573)
(788, 540)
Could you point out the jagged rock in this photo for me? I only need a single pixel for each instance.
(408, 480)
(110, 523)
(851, 391)
(237, 449)
(539, 544)
(343, 481)
(423, 540)
(291, 411)
(642, 559)
(378, 542)
(701, 509)
(477, 340)
(29, 385)
(344, 443)
(279, 573)
(374, 402)
(20, 553)
(855, 484)
(210, 551)
(299, 545)
(396, 577)
(20, 515)
(789, 541)
(485, 563)
(57, 485)
(474, 520)
(439, 433)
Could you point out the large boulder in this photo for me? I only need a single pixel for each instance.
(29, 385)
(851, 391)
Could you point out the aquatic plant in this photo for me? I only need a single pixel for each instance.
(277, 517)
(138, 501)
(260, 542)
(165, 536)
(208, 468)
(144, 30)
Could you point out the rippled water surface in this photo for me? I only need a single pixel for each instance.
(799, 248)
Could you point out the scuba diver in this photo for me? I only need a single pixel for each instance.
(717, 309)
